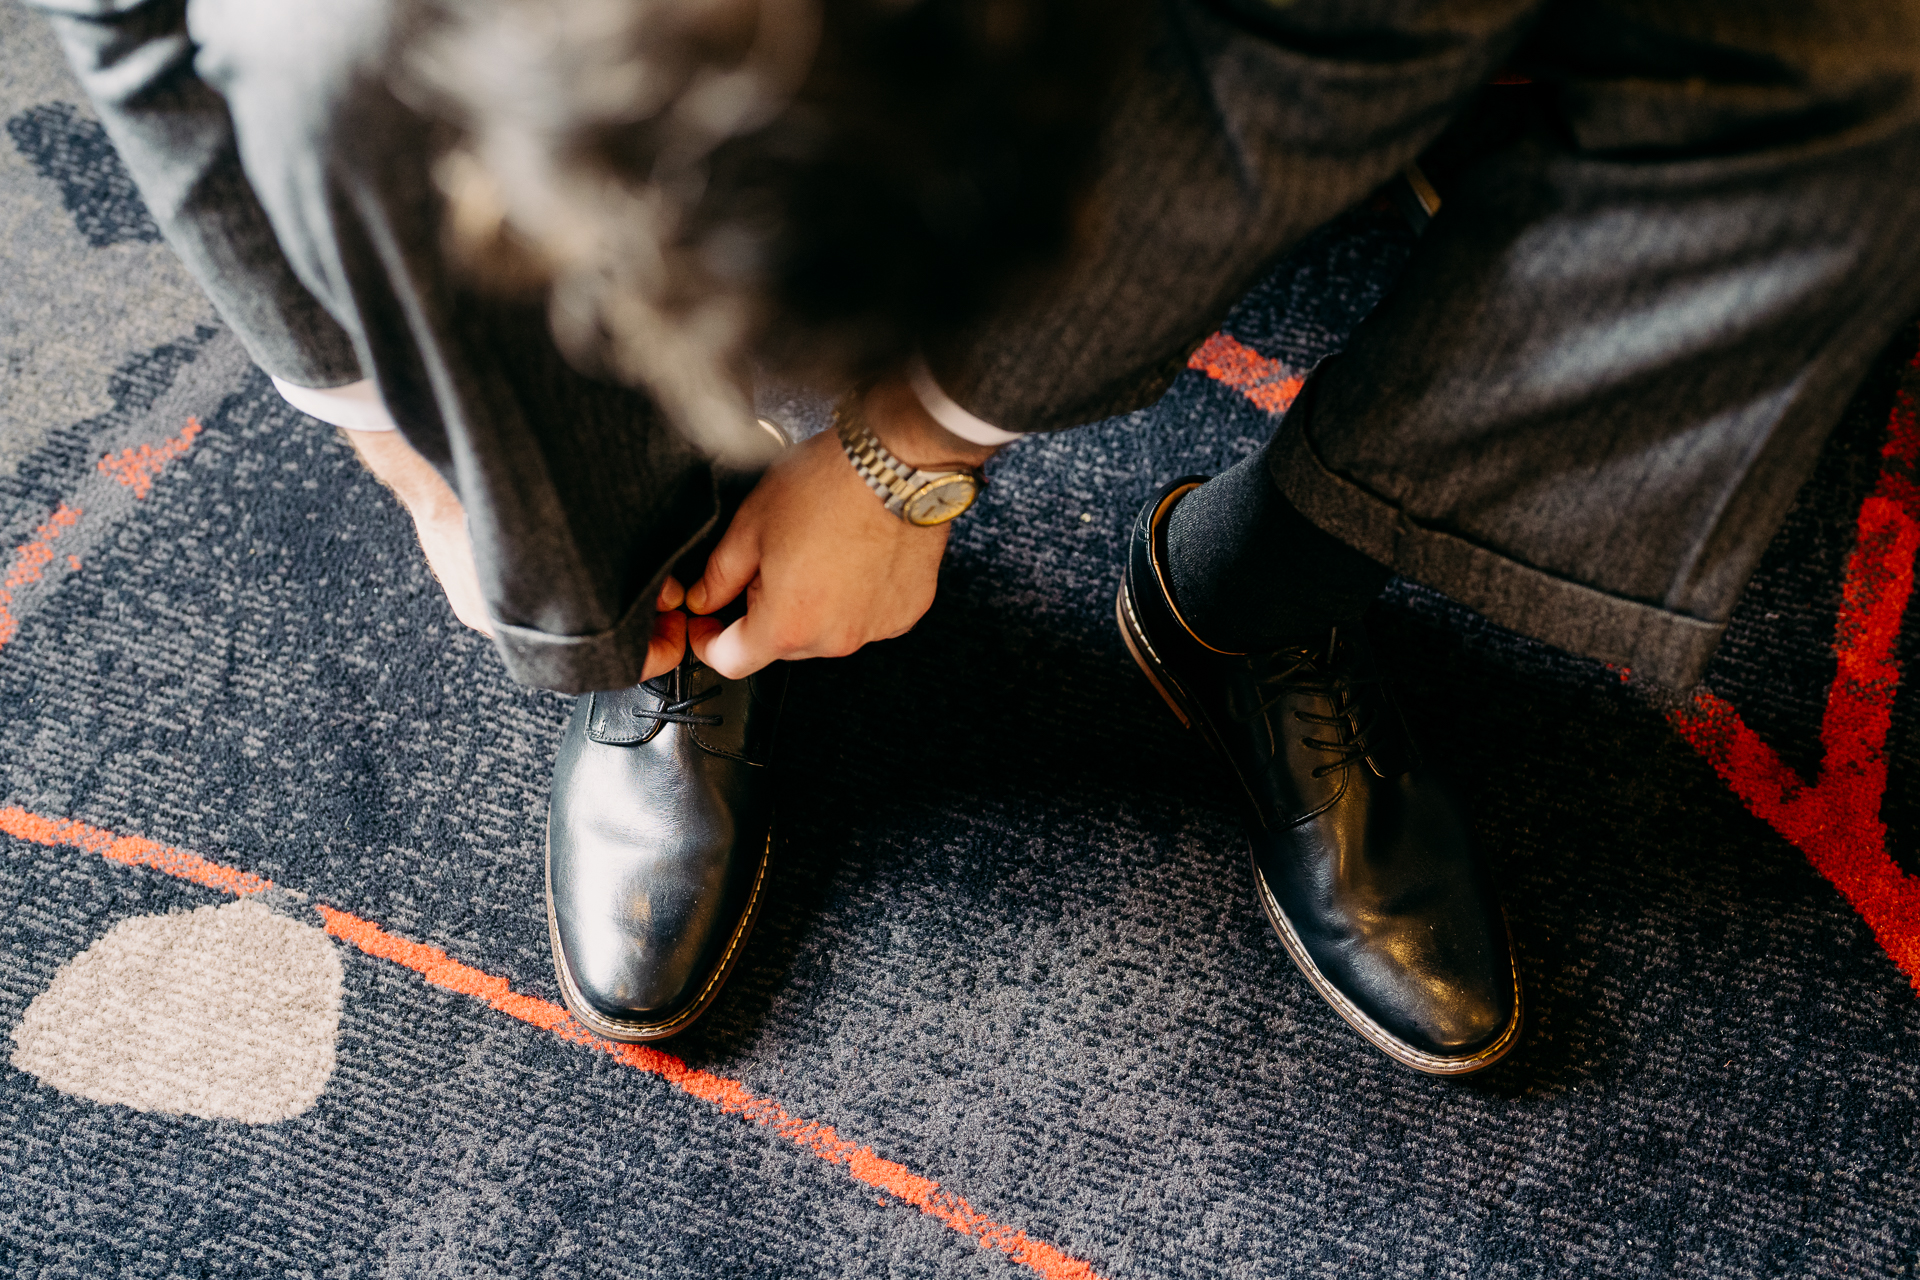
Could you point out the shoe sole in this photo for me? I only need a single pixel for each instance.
(621, 1029)
(1372, 1032)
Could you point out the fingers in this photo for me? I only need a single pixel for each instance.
(823, 568)
(730, 568)
(669, 639)
(765, 635)
(736, 651)
(666, 645)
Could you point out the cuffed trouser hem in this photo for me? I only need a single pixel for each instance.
(1666, 648)
(579, 664)
(613, 659)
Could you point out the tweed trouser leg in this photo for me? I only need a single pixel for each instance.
(1617, 350)
(1615, 355)
(296, 186)
(173, 132)
(1244, 127)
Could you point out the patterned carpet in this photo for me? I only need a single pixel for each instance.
(275, 969)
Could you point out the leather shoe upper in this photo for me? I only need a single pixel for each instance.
(657, 842)
(1363, 861)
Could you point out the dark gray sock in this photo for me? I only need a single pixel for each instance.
(1250, 572)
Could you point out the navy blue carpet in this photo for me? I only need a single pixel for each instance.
(1012, 946)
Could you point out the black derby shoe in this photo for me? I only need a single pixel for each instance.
(1360, 855)
(658, 837)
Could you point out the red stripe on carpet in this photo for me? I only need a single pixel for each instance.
(730, 1096)
(1836, 821)
(1268, 383)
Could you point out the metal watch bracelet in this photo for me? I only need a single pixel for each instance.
(898, 483)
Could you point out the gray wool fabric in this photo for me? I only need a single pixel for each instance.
(1243, 127)
(1613, 358)
(1612, 361)
(175, 135)
(578, 496)
(1583, 411)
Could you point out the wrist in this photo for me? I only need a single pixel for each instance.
(928, 486)
(894, 413)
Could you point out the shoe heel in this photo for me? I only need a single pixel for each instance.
(1137, 647)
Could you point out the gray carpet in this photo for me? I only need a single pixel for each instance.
(1012, 1010)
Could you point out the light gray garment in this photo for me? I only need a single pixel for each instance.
(136, 62)
(296, 187)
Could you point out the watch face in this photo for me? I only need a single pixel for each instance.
(941, 500)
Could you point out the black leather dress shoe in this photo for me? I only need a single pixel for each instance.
(1360, 856)
(658, 837)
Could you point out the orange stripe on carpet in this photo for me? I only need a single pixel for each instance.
(730, 1096)
(1268, 383)
(30, 560)
(135, 468)
(131, 850)
(139, 468)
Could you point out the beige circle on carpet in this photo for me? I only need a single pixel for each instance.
(224, 1012)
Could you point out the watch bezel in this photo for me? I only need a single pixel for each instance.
(952, 477)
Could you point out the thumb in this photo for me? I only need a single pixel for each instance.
(730, 567)
(736, 651)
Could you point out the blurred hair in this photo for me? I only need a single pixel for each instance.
(810, 185)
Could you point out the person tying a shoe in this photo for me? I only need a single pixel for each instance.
(1582, 411)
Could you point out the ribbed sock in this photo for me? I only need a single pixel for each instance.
(1250, 572)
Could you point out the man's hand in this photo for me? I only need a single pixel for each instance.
(826, 567)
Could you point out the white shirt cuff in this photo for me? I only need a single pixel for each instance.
(356, 406)
(950, 415)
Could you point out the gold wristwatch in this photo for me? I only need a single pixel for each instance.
(919, 497)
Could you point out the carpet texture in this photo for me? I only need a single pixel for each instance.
(227, 1012)
(1012, 1009)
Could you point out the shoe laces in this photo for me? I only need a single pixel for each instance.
(680, 711)
(1329, 673)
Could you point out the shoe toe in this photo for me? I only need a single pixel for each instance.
(1384, 903)
(624, 981)
(634, 952)
(1451, 1007)
(1416, 988)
